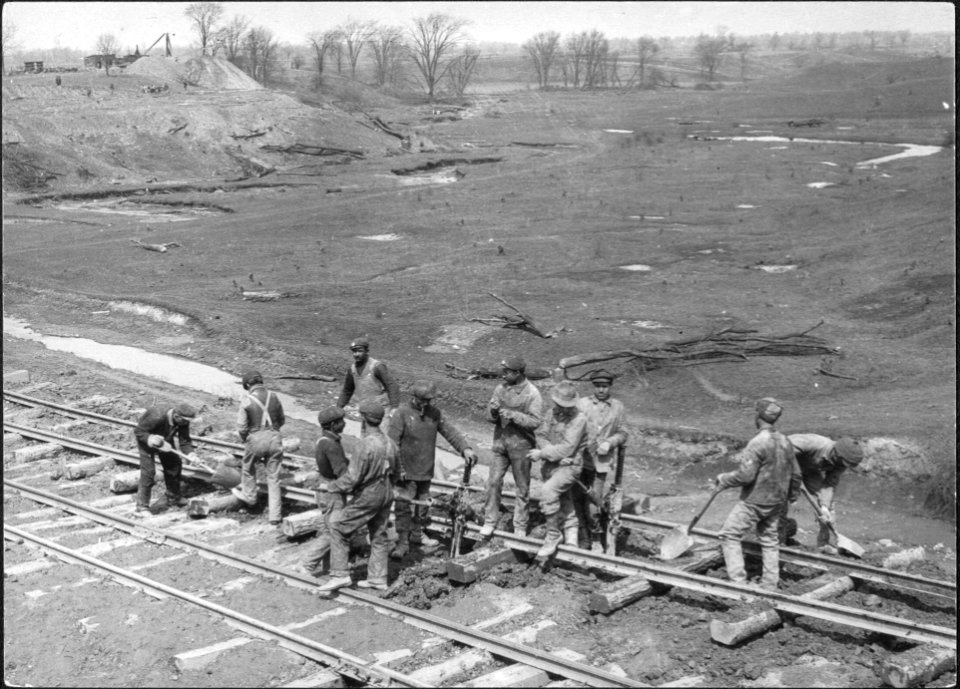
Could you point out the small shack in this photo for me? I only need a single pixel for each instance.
(99, 61)
(33, 66)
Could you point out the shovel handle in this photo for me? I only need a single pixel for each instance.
(703, 509)
(816, 509)
(618, 475)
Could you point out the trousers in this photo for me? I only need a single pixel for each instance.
(515, 459)
(172, 468)
(741, 519)
(263, 448)
(370, 508)
(318, 558)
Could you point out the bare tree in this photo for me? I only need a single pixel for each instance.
(904, 36)
(322, 41)
(596, 50)
(542, 50)
(204, 15)
(576, 45)
(743, 49)
(709, 53)
(8, 44)
(229, 39)
(261, 49)
(431, 39)
(461, 70)
(774, 41)
(386, 45)
(107, 45)
(356, 34)
(647, 47)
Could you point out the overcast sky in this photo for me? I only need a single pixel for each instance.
(77, 24)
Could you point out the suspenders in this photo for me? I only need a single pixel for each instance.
(265, 420)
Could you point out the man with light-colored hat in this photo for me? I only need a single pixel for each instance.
(768, 476)
(368, 494)
(159, 427)
(516, 410)
(259, 420)
(606, 432)
(413, 429)
(560, 447)
(822, 462)
(368, 379)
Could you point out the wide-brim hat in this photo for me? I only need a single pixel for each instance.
(565, 394)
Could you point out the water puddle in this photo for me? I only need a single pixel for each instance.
(636, 267)
(827, 162)
(650, 325)
(619, 131)
(153, 312)
(440, 177)
(391, 237)
(821, 185)
(149, 212)
(647, 217)
(745, 205)
(777, 269)
(910, 150)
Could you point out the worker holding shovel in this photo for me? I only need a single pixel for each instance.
(259, 419)
(768, 476)
(158, 428)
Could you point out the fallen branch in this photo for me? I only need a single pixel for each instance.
(518, 320)
(325, 379)
(834, 375)
(311, 150)
(177, 129)
(474, 373)
(252, 135)
(161, 248)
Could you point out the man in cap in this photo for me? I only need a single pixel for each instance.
(368, 379)
(822, 461)
(516, 410)
(413, 429)
(159, 427)
(561, 448)
(768, 476)
(331, 464)
(367, 482)
(605, 433)
(259, 419)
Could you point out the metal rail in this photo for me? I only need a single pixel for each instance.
(447, 629)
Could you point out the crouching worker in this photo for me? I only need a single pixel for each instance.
(561, 449)
(368, 493)
(259, 420)
(156, 428)
(768, 476)
(331, 465)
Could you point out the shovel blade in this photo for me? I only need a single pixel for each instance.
(225, 477)
(850, 547)
(675, 543)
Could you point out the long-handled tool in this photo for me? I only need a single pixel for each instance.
(679, 540)
(844, 544)
(614, 504)
(459, 515)
(193, 462)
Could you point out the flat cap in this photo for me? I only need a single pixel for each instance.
(372, 410)
(768, 409)
(514, 363)
(565, 394)
(251, 378)
(601, 376)
(849, 451)
(187, 411)
(360, 343)
(329, 415)
(425, 391)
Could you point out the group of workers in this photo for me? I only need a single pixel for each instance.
(575, 442)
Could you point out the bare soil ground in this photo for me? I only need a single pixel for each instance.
(546, 227)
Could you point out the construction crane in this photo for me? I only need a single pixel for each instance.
(167, 52)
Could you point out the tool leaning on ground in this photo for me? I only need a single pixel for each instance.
(844, 544)
(459, 511)
(613, 504)
(679, 540)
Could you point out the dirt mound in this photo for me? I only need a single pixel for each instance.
(206, 72)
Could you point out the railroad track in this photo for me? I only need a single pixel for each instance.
(362, 670)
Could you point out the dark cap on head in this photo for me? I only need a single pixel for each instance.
(360, 343)
(768, 409)
(251, 378)
(372, 410)
(601, 376)
(514, 363)
(329, 415)
(186, 411)
(425, 391)
(849, 451)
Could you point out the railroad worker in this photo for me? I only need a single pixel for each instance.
(516, 410)
(561, 449)
(822, 462)
(768, 476)
(413, 429)
(331, 464)
(605, 433)
(368, 492)
(159, 426)
(368, 379)
(259, 420)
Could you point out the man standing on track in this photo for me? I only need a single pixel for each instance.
(768, 476)
(413, 429)
(822, 461)
(368, 379)
(368, 493)
(331, 464)
(564, 439)
(516, 411)
(157, 426)
(605, 433)
(259, 419)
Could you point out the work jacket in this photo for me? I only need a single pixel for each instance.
(414, 432)
(821, 474)
(605, 423)
(525, 400)
(250, 415)
(374, 462)
(159, 421)
(562, 441)
(331, 459)
(768, 471)
(372, 382)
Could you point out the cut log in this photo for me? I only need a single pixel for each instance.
(129, 481)
(204, 506)
(302, 523)
(515, 675)
(88, 467)
(732, 633)
(619, 594)
(917, 666)
(467, 568)
(35, 452)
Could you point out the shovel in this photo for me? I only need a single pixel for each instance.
(679, 540)
(167, 447)
(844, 544)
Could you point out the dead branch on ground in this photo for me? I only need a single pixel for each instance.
(161, 248)
(174, 130)
(518, 320)
(728, 344)
(323, 378)
(474, 373)
(252, 135)
(312, 150)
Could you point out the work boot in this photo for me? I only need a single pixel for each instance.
(400, 550)
(486, 531)
(367, 584)
(571, 535)
(177, 501)
(733, 559)
(332, 584)
(596, 547)
(553, 538)
(141, 512)
(421, 539)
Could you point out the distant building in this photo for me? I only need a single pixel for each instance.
(99, 61)
(33, 66)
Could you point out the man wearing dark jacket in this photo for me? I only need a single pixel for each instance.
(413, 429)
(157, 427)
(259, 420)
(331, 464)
